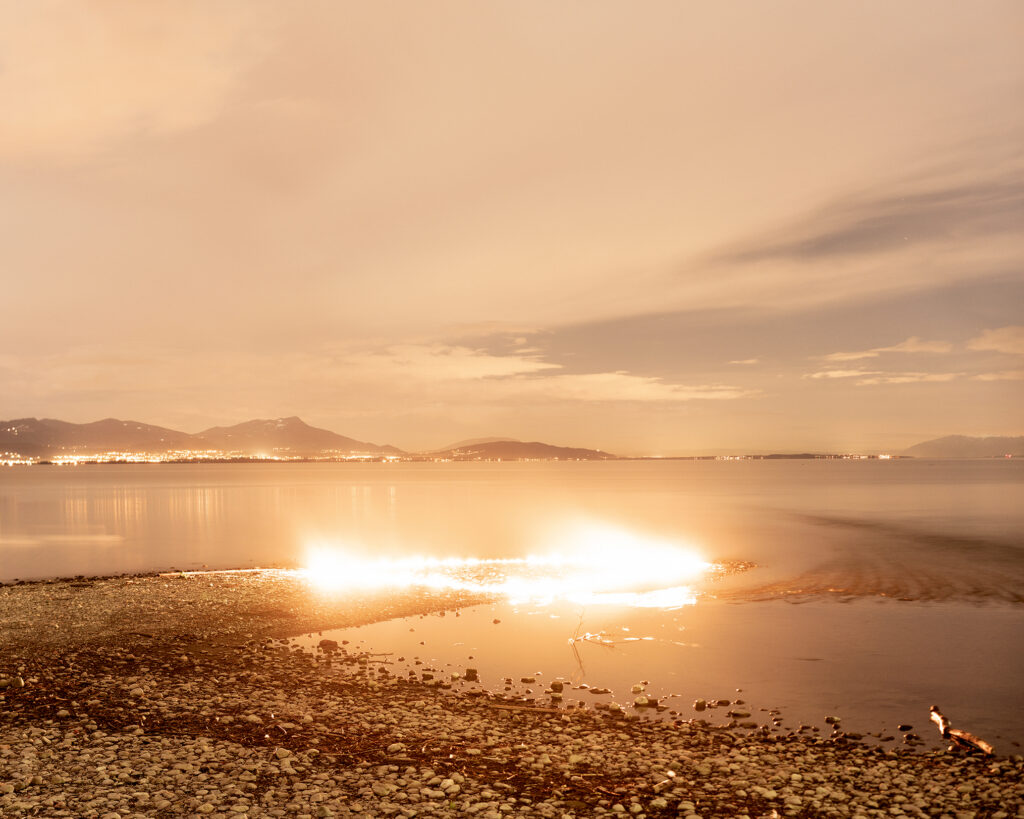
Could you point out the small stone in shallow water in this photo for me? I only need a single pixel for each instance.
(700, 705)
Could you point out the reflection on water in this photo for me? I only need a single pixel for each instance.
(586, 564)
(889, 519)
(875, 665)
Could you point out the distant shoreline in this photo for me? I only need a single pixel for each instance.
(33, 440)
(100, 461)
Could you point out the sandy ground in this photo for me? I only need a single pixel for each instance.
(170, 696)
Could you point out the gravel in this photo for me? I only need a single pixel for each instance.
(178, 696)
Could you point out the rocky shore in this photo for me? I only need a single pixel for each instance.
(166, 696)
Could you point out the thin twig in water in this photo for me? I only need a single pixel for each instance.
(503, 707)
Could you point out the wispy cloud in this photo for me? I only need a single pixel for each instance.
(840, 374)
(910, 345)
(621, 386)
(903, 215)
(434, 362)
(956, 221)
(874, 377)
(907, 378)
(1001, 340)
(521, 376)
(745, 361)
(1005, 375)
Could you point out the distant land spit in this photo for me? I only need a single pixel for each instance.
(963, 446)
(33, 440)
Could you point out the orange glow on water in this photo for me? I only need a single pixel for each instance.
(596, 564)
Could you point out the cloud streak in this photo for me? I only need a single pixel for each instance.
(833, 374)
(1005, 375)
(955, 221)
(440, 362)
(885, 220)
(908, 378)
(1008, 340)
(622, 386)
(868, 378)
(910, 345)
(521, 377)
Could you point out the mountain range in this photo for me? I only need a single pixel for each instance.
(43, 438)
(46, 437)
(283, 437)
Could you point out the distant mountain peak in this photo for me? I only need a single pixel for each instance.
(477, 441)
(512, 450)
(966, 446)
(31, 437)
(290, 434)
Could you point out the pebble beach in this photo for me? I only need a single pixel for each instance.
(181, 695)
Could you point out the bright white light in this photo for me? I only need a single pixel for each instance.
(596, 565)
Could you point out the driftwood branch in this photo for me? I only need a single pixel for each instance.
(961, 739)
(503, 707)
(203, 572)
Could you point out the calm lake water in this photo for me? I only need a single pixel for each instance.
(909, 574)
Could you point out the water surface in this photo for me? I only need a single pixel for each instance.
(889, 517)
(880, 587)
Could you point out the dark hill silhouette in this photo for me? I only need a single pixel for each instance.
(475, 442)
(523, 450)
(43, 438)
(285, 434)
(964, 446)
(39, 437)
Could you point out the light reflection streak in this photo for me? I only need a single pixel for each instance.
(597, 565)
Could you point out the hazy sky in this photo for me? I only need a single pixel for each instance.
(661, 227)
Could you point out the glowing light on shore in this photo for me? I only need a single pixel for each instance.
(597, 565)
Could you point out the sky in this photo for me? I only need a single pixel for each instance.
(666, 228)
